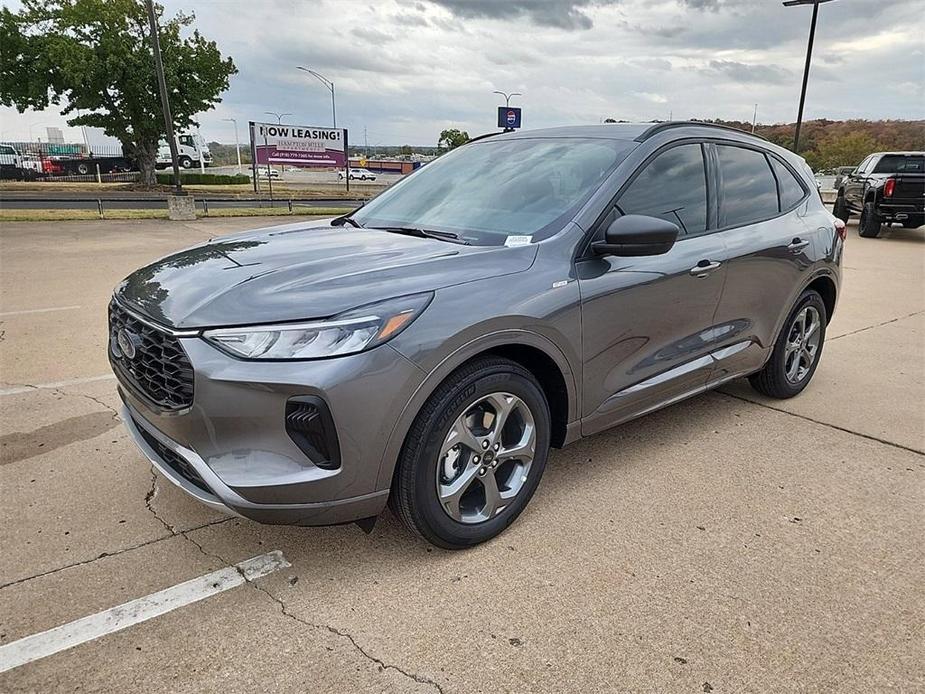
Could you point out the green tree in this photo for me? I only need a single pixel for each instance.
(94, 58)
(848, 149)
(452, 138)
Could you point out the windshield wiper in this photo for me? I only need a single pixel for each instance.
(348, 219)
(427, 234)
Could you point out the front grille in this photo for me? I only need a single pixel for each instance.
(174, 460)
(159, 371)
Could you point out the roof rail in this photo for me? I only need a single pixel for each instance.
(659, 127)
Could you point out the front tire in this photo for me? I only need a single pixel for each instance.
(185, 163)
(474, 456)
(797, 351)
(870, 224)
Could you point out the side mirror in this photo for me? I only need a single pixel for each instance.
(636, 234)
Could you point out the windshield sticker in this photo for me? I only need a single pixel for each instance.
(512, 241)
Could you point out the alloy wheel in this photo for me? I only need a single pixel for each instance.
(485, 459)
(802, 344)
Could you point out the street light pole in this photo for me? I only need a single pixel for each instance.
(327, 83)
(809, 56)
(237, 143)
(278, 116)
(507, 97)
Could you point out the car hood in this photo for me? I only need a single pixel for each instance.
(299, 271)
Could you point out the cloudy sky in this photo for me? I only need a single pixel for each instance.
(405, 69)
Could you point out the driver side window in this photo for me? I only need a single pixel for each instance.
(673, 186)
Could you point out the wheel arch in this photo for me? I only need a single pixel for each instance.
(536, 353)
(826, 288)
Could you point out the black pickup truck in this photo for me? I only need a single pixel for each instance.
(886, 187)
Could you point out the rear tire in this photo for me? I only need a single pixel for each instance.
(841, 209)
(869, 226)
(454, 484)
(796, 354)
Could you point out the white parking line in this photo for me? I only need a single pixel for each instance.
(57, 384)
(128, 614)
(39, 310)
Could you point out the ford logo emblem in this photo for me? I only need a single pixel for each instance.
(126, 341)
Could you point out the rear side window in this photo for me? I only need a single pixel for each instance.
(791, 192)
(749, 191)
(673, 186)
(900, 163)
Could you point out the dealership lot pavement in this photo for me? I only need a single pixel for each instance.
(726, 544)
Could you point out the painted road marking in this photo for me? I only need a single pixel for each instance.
(39, 310)
(121, 617)
(57, 384)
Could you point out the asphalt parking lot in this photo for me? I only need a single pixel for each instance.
(725, 544)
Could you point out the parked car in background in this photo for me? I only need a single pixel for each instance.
(264, 172)
(841, 173)
(886, 187)
(11, 163)
(429, 348)
(358, 174)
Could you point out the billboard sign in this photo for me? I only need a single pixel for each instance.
(508, 117)
(298, 145)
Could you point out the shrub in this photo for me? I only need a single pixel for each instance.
(203, 179)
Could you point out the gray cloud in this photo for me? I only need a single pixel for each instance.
(406, 69)
(745, 73)
(373, 36)
(562, 14)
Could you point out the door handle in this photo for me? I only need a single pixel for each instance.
(704, 268)
(797, 245)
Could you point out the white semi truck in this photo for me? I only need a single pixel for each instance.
(192, 152)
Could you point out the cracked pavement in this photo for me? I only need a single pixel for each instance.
(729, 543)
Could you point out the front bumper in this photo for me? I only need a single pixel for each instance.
(231, 450)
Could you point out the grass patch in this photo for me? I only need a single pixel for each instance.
(274, 211)
(281, 190)
(76, 215)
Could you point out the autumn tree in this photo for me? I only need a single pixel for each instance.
(93, 58)
(847, 149)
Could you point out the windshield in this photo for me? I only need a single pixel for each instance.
(493, 189)
(901, 163)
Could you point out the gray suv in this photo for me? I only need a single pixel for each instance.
(520, 292)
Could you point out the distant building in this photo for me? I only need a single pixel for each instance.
(55, 136)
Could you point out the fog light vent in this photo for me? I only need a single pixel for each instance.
(310, 426)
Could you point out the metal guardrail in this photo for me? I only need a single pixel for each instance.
(203, 202)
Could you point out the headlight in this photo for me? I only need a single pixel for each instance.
(347, 333)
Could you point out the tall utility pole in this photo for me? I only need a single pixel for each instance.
(165, 102)
(755, 118)
(809, 56)
(237, 143)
